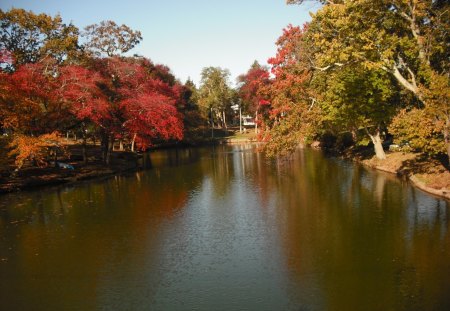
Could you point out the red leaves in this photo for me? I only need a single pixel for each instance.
(123, 97)
(140, 102)
(288, 49)
(291, 70)
(78, 86)
(152, 116)
(264, 102)
(253, 84)
(29, 102)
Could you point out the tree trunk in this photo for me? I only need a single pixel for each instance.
(55, 156)
(219, 118)
(447, 138)
(84, 148)
(224, 120)
(104, 146)
(376, 140)
(109, 149)
(354, 135)
(133, 142)
(121, 145)
(256, 122)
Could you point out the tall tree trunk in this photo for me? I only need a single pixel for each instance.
(133, 142)
(224, 120)
(354, 135)
(376, 140)
(84, 145)
(55, 156)
(109, 149)
(219, 118)
(256, 122)
(104, 146)
(447, 137)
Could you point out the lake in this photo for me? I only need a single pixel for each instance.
(223, 228)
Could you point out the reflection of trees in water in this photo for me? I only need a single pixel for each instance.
(350, 237)
(92, 229)
(426, 250)
(351, 225)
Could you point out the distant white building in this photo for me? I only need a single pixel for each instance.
(248, 121)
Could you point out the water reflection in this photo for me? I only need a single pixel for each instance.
(223, 228)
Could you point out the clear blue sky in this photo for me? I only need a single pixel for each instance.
(188, 35)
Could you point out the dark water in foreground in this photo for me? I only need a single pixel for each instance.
(223, 229)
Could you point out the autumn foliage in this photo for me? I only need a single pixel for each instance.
(364, 69)
(36, 149)
(50, 84)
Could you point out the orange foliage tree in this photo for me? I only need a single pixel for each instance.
(36, 149)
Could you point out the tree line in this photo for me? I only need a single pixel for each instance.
(360, 72)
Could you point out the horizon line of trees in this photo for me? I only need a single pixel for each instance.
(360, 72)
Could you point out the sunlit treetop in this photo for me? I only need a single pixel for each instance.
(26, 37)
(110, 39)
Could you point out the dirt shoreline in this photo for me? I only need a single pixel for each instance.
(427, 175)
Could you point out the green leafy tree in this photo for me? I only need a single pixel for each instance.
(194, 122)
(408, 39)
(215, 93)
(354, 98)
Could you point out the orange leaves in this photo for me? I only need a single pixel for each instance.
(419, 129)
(36, 149)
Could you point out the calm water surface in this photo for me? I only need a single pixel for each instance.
(222, 228)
